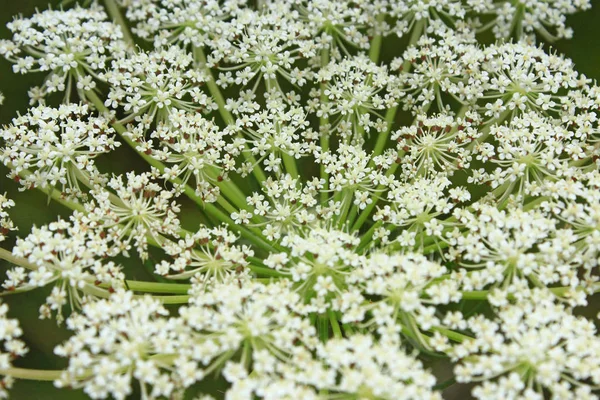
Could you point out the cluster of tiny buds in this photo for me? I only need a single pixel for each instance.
(299, 215)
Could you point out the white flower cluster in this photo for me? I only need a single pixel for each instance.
(502, 78)
(72, 46)
(55, 147)
(6, 223)
(275, 349)
(191, 147)
(530, 347)
(535, 17)
(178, 21)
(356, 367)
(321, 198)
(69, 255)
(153, 83)
(118, 340)
(138, 211)
(355, 88)
(12, 347)
(208, 253)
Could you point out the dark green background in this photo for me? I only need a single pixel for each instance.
(33, 208)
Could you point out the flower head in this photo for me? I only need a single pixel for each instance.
(73, 46)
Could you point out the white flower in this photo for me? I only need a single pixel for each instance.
(6, 224)
(68, 255)
(56, 147)
(528, 18)
(156, 82)
(73, 46)
(122, 338)
(534, 345)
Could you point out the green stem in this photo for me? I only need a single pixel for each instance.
(155, 287)
(352, 214)
(346, 204)
(115, 14)
(266, 271)
(446, 384)
(179, 299)
(100, 291)
(418, 29)
(8, 256)
(348, 329)
(255, 236)
(532, 204)
(457, 337)
(382, 139)
(558, 291)
(290, 165)
(366, 238)
(362, 217)
(94, 290)
(121, 130)
(434, 247)
(323, 328)
(32, 374)
(288, 161)
(230, 190)
(335, 326)
(105, 294)
(51, 192)
(376, 42)
(324, 131)
(215, 92)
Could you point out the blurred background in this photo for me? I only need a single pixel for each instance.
(33, 207)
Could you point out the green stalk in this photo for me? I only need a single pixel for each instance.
(121, 130)
(364, 214)
(375, 48)
(434, 247)
(418, 29)
(155, 287)
(251, 235)
(255, 236)
(100, 290)
(213, 88)
(289, 161)
(265, 271)
(348, 329)
(215, 92)
(457, 337)
(179, 299)
(382, 139)
(366, 238)
(230, 190)
(105, 294)
(335, 326)
(52, 193)
(32, 374)
(346, 204)
(323, 132)
(21, 262)
(444, 385)
(323, 328)
(94, 290)
(558, 291)
(115, 14)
